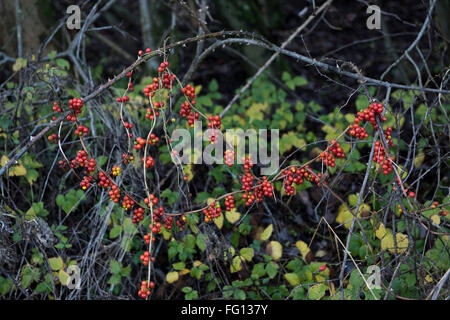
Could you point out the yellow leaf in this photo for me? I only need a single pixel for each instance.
(63, 277)
(303, 248)
(183, 272)
(219, 221)
(19, 64)
(172, 277)
(233, 215)
(267, 233)
(320, 278)
(435, 219)
(166, 234)
(4, 160)
(428, 278)
(247, 253)
(255, 112)
(236, 265)
(292, 278)
(381, 231)
(419, 159)
(346, 217)
(17, 170)
(387, 243)
(229, 253)
(197, 263)
(274, 249)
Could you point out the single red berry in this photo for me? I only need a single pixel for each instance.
(411, 194)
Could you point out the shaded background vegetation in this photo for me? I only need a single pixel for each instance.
(41, 63)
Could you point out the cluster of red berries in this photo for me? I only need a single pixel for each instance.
(104, 181)
(153, 200)
(192, 118)
(86, 182)
(214, 124)
(297, 176)
(147, 241)
(163, 66)
(128, 125)
(63, 164)
(212, 212)
(82, 160)
(114, 193)
(140, 142)
(144, 292)
(335, 150)
(149, 162)
(130, 86)
(123, 99)
(81, 131)
(56, 107)
(247, 181)
(167, 80)
(127, 202)
(382, 158)
(368, 114)
(145, 258)
(387, 135)
(266, 187)
(53, 138)
(229, 203)
(189, 91)
(150, 89)
(229, 157)
(75, 105)
(140, 52)
(138, 215)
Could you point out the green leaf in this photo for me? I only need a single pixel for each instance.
(115, 266)
(115, 232)
(179, 265)
(247, 253)
(317, 291)
(272, 269)
(56, 263)
(239, 294)
(115, 279)
(292, 278)
(200, 242)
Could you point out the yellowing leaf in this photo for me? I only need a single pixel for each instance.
(387, 243)
(292, 278)
(219, 221)
(267, 233)
(381, 231)
(247, 253)
(197, 263)
(56, 263)
(172, 277)
(274, 249)
(233, 215)
(435, 219)
(428, 278)
(19, 64)
(183, 272)
(4, 160)
(419, 159)
(346, 217)
(166, 234)
(63, 277)
(303, 248)
(317, 291)
(255, 112)
(236, 265)
(17, 170)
